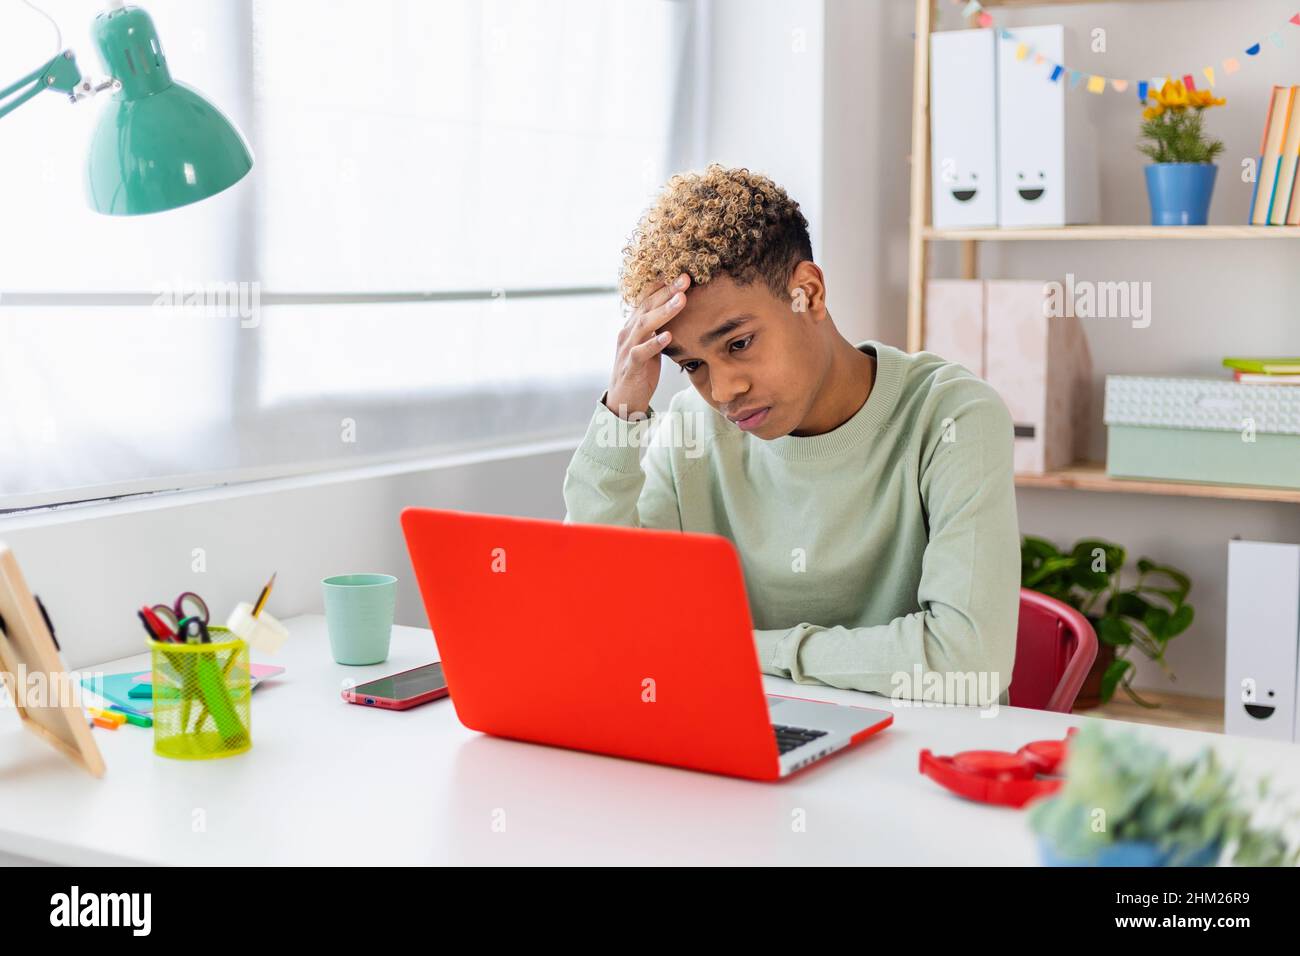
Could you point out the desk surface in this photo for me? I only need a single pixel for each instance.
(330, 782)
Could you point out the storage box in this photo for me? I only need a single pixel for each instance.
(1042, 369)
(1047, 143)
(954, 322)
(963, 129)
(1206, 430)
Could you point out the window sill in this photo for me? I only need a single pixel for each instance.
(133, 503)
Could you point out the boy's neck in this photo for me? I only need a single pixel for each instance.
(845, 390)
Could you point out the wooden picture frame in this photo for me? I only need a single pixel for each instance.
(26, 644)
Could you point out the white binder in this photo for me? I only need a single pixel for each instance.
(1259, 698)
(963, 129)
(1047, 149)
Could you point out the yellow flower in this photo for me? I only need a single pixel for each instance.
(1151, 112)
(1173, 95)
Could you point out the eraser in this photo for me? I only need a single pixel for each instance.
(263, 633)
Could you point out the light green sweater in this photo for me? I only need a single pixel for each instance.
(881, 556)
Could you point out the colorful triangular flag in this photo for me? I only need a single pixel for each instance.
(1295, 19)
(1096, 84)
(1276, 37)
(1230, 65)
(1142, 91)
(1057, 70)
(1209, 74)
(1075, 77)
(1189, 82)
(1120, 85)
(972, 8)
(1022, 51)
(1252, 50)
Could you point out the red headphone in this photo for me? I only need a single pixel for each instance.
(998, 776)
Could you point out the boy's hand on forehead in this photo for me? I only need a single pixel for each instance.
(636, 361)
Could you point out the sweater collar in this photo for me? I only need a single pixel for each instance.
(868, 419)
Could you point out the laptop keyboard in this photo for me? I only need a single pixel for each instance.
(787, 738)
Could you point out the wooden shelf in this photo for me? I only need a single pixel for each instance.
(1094, 233)
(1093, 477)
(1175, 710)
(1053, 3)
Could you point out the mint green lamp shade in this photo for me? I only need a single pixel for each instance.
(158, 144)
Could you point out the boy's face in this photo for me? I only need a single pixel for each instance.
(770, 363)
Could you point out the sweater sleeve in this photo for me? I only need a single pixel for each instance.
(963, 637)
(609, 482)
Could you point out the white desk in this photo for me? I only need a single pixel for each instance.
(329, 782)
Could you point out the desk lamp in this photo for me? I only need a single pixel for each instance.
(158, 144)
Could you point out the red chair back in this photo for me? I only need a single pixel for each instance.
(1055, 649)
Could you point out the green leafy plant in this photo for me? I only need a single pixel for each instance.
(1146, 616)
(1173, 125)
(1119, 788)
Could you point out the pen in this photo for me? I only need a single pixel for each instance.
(140, 720)
(266, 593)
(116, 716)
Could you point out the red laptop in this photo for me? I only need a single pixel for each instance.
(620, 641)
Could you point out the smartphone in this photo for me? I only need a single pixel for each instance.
(400, 691)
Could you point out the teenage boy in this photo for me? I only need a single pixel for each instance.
(868, 491)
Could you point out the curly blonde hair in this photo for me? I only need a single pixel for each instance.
(720, 221)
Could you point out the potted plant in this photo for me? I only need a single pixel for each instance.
(1126, 803)
(1180, 179)
(1146, 616)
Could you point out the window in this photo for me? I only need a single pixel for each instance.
(423, 257)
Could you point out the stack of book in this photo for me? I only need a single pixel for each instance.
(1276, 201)
(1265, 371)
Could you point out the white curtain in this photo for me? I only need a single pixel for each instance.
(428, 240)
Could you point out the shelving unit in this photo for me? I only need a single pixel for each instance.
(1082, 476)
(1092, 477)
(1094, 233)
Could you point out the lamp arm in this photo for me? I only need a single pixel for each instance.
(60, 73)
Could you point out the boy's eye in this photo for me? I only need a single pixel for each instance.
(737, 346)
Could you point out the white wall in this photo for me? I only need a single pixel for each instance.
(766, 103)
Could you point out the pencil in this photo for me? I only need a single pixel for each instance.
(261, 598)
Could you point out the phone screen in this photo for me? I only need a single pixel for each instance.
(405, 685)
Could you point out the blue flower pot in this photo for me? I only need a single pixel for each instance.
(1128, 853)
(1180, 193)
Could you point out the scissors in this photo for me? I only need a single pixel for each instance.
(188, 618)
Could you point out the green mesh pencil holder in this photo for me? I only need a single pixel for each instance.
(201, 695)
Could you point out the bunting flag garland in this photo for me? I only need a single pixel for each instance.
(1096, 83)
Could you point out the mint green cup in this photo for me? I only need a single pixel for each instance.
(359, 616)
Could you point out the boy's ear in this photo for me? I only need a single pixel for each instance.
(807, 289)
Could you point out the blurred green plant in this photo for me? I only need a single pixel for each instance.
(1146, 616)
(1119, 788)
